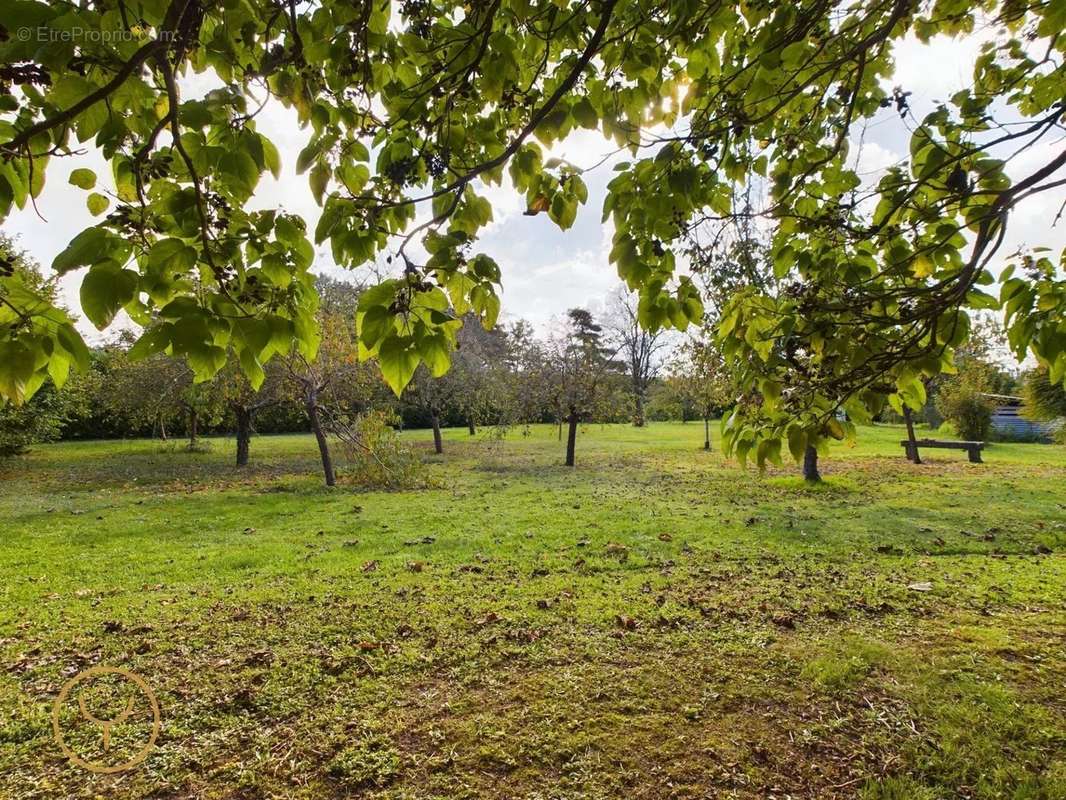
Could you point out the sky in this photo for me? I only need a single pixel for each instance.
(547, 271)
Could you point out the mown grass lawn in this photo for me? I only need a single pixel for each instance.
(655, 623)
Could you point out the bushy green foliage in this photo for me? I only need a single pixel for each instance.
(963, 399)
(665, 402)
(411, 110)
(376, 455)
(1044, 400)
(31, 409)
(966, 409)
(39, 420)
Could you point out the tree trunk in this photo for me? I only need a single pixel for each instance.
(470, 425)
(810, 465)
(560, 429)
(571, 438)
(244, 434)
(438, 444)
(638, 417)
(912, 450)
(162, 428)
(707, 433)
(323, 443)
(193, 426)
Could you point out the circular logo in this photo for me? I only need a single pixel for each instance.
(125, 693)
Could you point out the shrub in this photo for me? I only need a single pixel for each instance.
(39, 420)
(376, 456)
(962, 400)
(969, 413)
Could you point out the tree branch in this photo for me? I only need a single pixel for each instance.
(125, 71)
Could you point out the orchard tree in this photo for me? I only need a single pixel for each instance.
(474, 385)
(431, 395)
(244, 401)
(411, 110)
(158, 389)
(701, 379)
(638, 348)
(581, 374)
(147, 392)
(527, 377)
(478, 371)
(204, 404)
(333, 385)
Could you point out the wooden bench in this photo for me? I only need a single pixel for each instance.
(973, 449)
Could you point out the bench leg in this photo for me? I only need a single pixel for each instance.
(975, 455)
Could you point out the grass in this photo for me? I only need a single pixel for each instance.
(656, 623)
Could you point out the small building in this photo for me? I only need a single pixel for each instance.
(1008, 422)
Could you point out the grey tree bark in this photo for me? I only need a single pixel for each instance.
(438, 444)
(320, 437)
(810, 465)
(571, 438)
(244, 434)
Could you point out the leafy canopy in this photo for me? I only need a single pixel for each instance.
(410, 109)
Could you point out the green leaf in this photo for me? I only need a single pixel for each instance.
(398, 361)
(835, 429)
(585, 114)
(58, 368)
(435, 353)
(70, 340)
(172, 256)
(380, 295)
(319, 180)
(563, 211)
(88, 247)
(270, 157)
(308, 155)
(17, 365)
(83, 178)
(252, 369)
(287, 231)
(373, 325)
(104, 291)
(152, 341)
(784, 259)
(97, 203)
